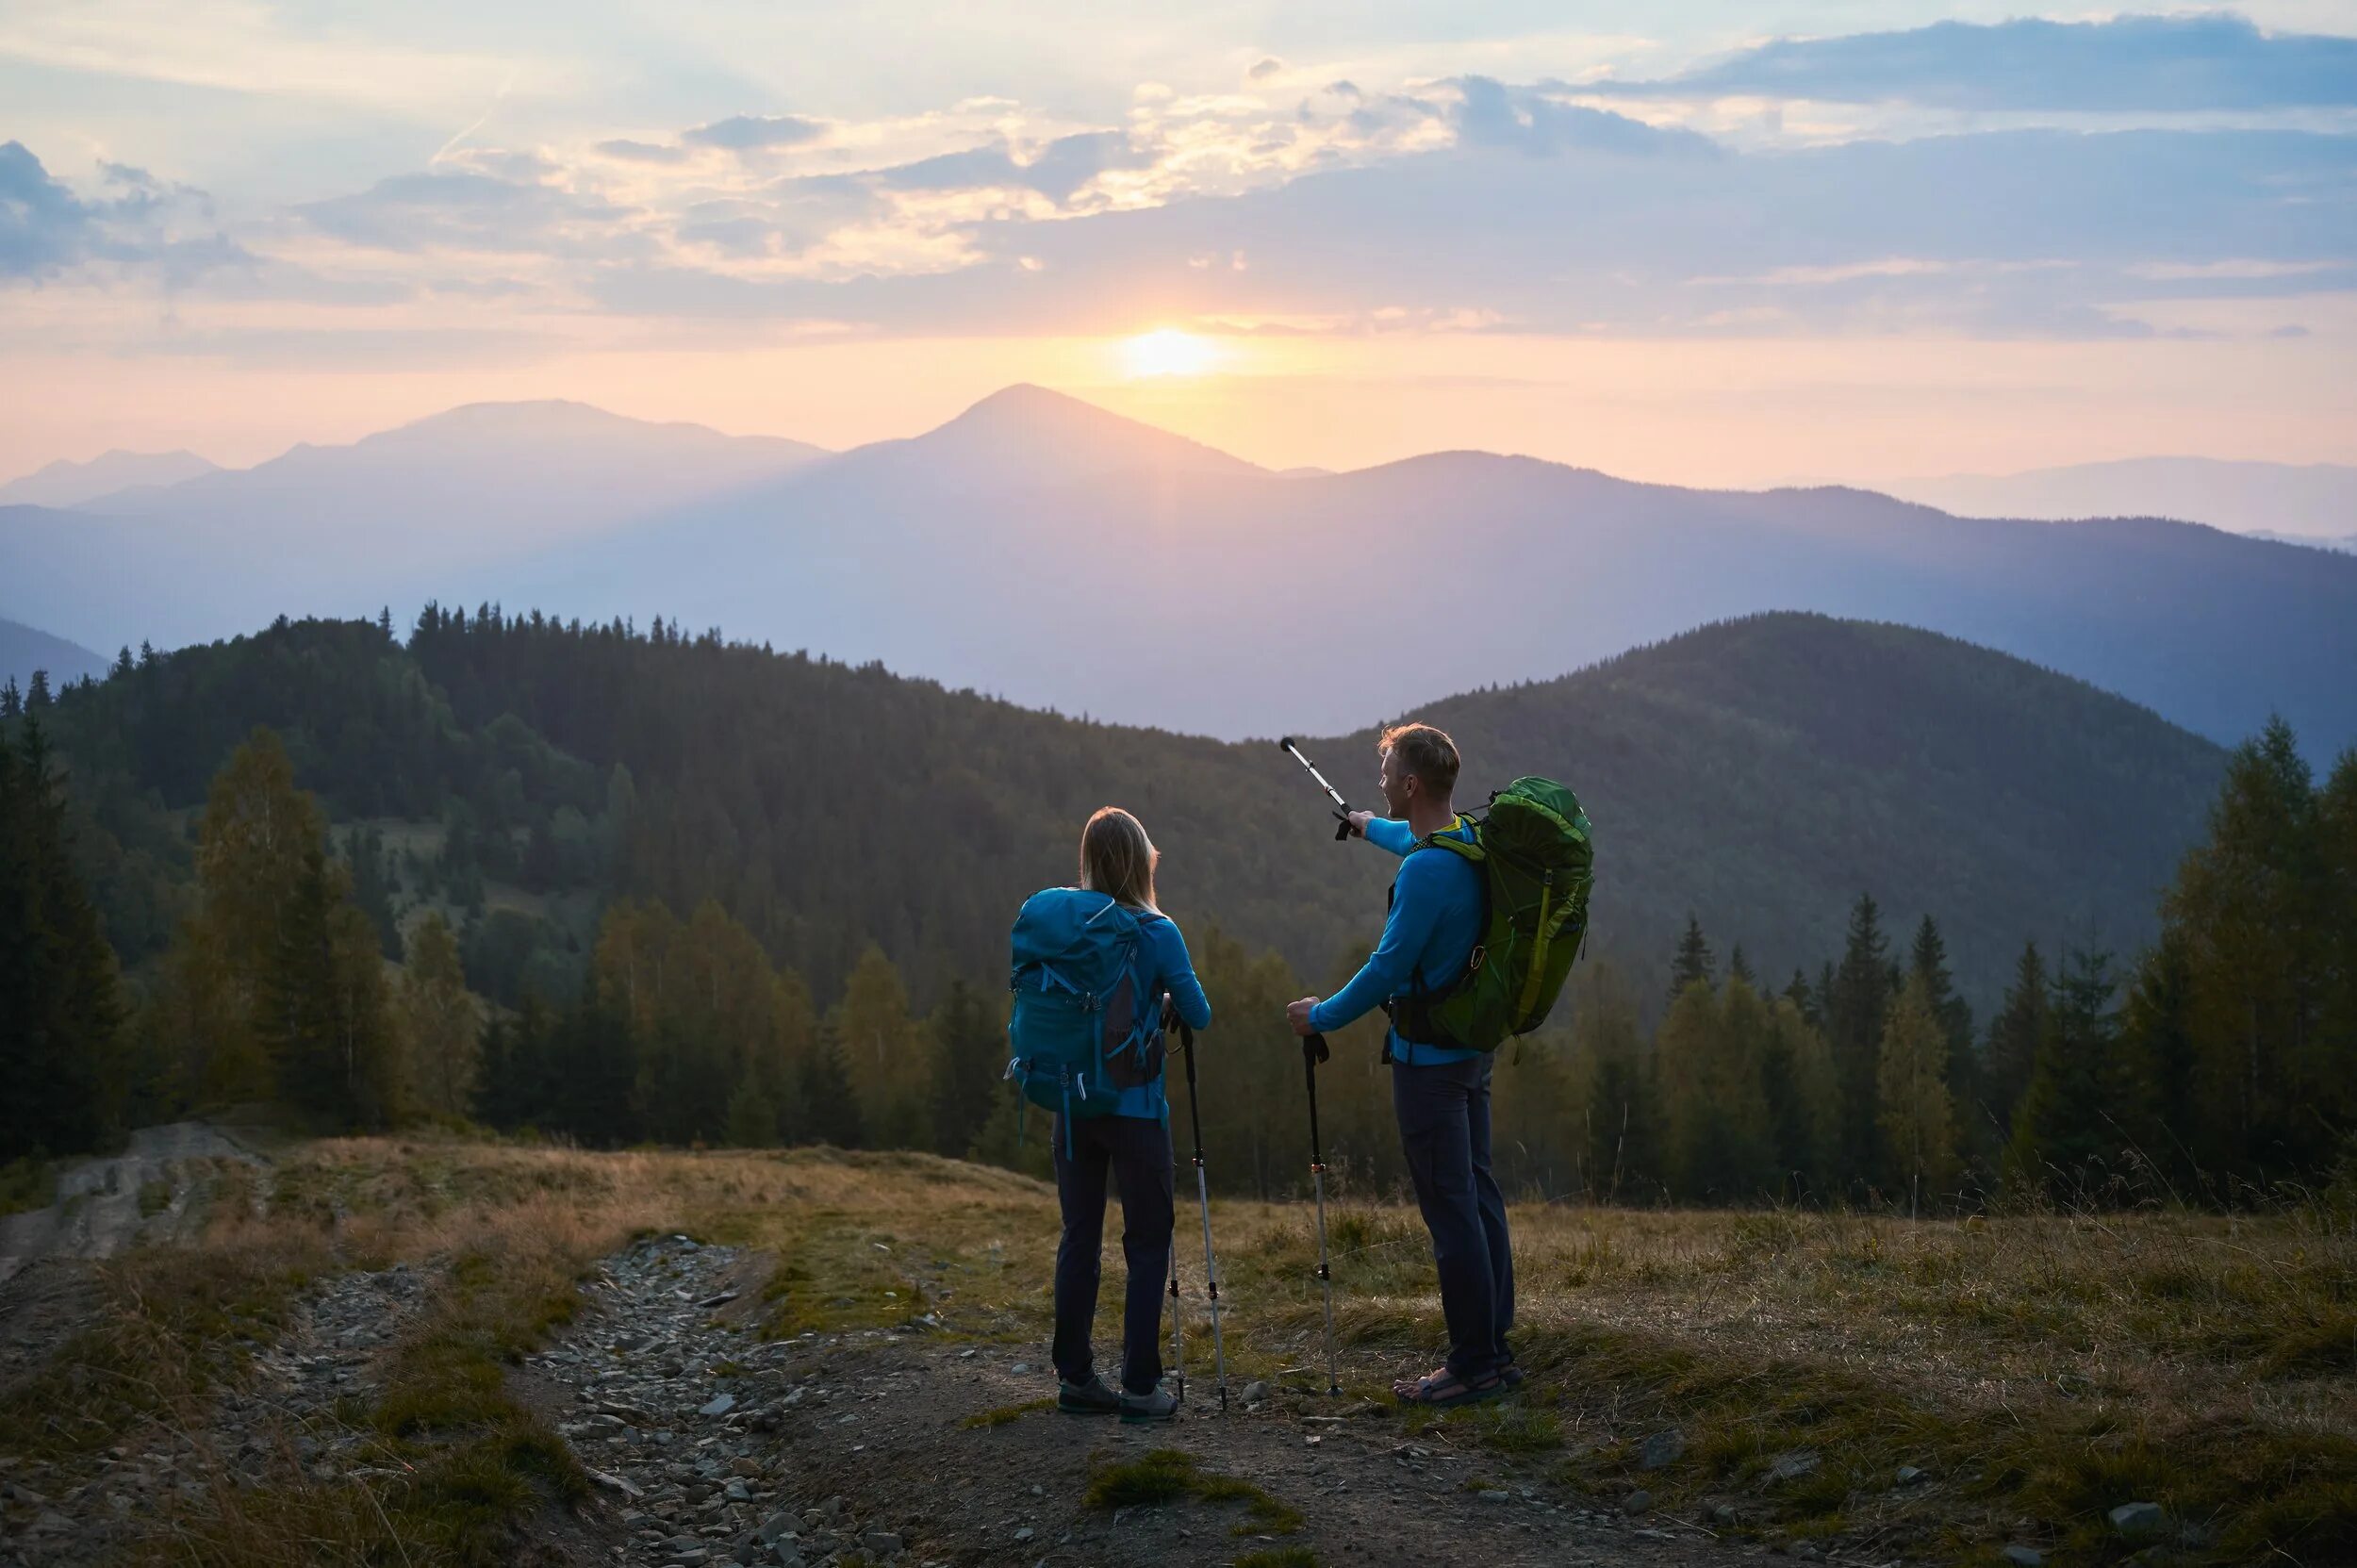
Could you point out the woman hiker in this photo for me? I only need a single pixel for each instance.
(1118, 1124)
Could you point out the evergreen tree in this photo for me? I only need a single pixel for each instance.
(364, 852)
(11, 700)
(2157, 1063)
(889, 1071)
(752, 1121)
(36, 695)
(1804, 1102)
(970, 1045)
(2065, 1136)
(324, 1022)
(1803, 998)
(1861, 994)
(1692, 965)
(2252, 904)
(1928, 963)
(1613, 1086)
(1914, 1114)
(2014, 1035)
(252, 855)
(441, 1026)
(62, 1014)
(1715, 1137)
(1737, 969)
(832, 1106)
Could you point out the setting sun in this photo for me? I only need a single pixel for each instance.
(1167, 351)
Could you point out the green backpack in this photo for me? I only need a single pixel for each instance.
(1538, 865)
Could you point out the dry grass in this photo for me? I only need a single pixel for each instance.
(2046, 1368)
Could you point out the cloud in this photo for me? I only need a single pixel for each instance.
(626, 151)
(1531, 119)
(1597, 229)
(468, 210)
(2154, 63)
(1266, 67)
(47, 230)
(747, 133)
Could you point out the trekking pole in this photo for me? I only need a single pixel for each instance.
(1341, 808)
(1203, 1201)
(1314, 1050)
(1178, 1336)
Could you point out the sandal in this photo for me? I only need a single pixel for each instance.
(1444, 1389)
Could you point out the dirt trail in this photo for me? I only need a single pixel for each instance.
(103, 1205)
(712, 1447)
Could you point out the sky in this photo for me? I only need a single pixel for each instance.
(1708, 242)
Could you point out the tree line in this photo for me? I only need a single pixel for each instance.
(2219, 1063)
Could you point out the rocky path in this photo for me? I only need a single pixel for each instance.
(281, 1411)
(150, 1189)
(713, 1447)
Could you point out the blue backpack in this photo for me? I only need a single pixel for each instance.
(1084, 1031)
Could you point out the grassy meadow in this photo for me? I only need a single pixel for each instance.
(2036, 1370)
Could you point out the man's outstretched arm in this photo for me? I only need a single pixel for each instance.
(1388, 970)
(1384, 833)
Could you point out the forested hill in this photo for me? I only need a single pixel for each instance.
(1759, 773)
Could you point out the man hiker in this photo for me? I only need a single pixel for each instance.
(1439, 1093)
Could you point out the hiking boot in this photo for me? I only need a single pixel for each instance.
(1090, 1398)
(1160, 1405)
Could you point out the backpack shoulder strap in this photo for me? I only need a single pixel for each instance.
(1464, 836)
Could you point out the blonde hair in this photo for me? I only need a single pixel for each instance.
(1117, 858)
(1424, 753)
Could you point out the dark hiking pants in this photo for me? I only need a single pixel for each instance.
(1444, 1129)
(1136, 1151)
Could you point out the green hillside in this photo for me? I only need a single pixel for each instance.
(1759, 773)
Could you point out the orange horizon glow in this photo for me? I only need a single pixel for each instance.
(1710, 412)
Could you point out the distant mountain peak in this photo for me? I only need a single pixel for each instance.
(65, 483)
(1061, 438)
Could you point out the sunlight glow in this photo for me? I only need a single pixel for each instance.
(1166, 351)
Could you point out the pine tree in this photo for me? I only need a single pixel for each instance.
(752, 1121)
(2157, 1055)
(1692, 963)
(889, 1071)
(1737, 969)
(61, 1015)
(324, 1022)
(2251, 904)
(1861, 992)
(971, 1046)
(1612, 1087)
(1715, 1137)
(1928, 963)
(440, 1024)
(11, 700)
(832, 1108)
(1914, 1114)
(2013, 1040)
(2066, 1137)
(364, 852)
(1803, 998)
(36, 695)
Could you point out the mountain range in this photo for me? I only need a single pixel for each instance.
(25, 649)
(2289, 501)
(1042, 549)
(70, 484)
(1759, 775)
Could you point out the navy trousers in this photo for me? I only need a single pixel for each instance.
(1443, 1117)
(1136, 1151)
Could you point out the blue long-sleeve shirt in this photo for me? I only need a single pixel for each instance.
(1435, 920)
(1173, 971)
(1168, 968)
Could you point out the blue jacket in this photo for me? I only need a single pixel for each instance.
(1435, 920)
(1166, 966)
